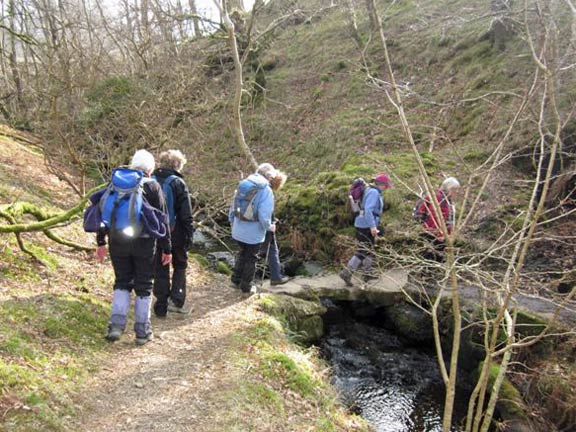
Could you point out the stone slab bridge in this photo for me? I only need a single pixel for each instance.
(392, 287)
(385, 291)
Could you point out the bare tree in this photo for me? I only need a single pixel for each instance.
(501, 27)
(195, 19)
(238, 81)
(498, 288)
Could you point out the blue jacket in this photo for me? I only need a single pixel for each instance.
(372, 206)
(255, 232)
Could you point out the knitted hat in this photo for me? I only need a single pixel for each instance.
(383, 179)
(450, 183)
(143, 160)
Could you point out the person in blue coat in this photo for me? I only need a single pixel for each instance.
(366, 224)
(251, 217)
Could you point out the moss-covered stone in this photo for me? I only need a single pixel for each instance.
(312, 328)
(411, 322)
(510, 405)
(322, 210)
(302, 317)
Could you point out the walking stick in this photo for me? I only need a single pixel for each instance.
(266, 258)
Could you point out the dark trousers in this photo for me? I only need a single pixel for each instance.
(175, 289)
(245, 267)
(135, 272)
(367, 241)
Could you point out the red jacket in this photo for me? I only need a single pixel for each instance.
(431, 222)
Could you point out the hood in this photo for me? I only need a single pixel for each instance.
(259, 180)
(165, 173)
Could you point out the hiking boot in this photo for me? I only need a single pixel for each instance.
(234, 282)
(144, 339)
(114, 334)
(160, 309)
(176, 309)
(252, 289)
(367, 277)
(346, 276)
(280, 281)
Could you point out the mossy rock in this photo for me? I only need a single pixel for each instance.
(510, 405)
(319, 208)
(411, 322)
(311, 328)
(302, 317)
(528, 324)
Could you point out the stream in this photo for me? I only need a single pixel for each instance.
(396, 387)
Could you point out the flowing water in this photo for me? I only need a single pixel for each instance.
(394, 386)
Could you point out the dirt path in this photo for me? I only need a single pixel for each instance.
(175, 382)
(166, 384)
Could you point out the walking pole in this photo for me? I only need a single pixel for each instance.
(266, 261)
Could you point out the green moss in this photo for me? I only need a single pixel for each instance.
(50, 260)
(224, 268)
(528, 324)
(510, 400)
(200, 259)
(272, 368)
(477, 155)
(19, 267)
(300, 317)
(322, 211)
(264, 330)
(262, 394)
(301, 271)
(324, 424)
(49, 345)
(281, 367)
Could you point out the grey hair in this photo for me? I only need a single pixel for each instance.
(143, 160)
(450, 183)
(173, 159)
(267, 170)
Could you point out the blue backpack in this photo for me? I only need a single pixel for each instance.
(169, 198)
(121, 203)
(244, 200)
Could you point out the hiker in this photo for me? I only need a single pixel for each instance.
(251, 217)
(445, 195)
(269, 249)
(132, 249)
(171, 293)
(366, 224)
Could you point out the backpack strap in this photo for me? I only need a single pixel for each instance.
(168, 192)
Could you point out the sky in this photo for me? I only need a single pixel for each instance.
(207, 8)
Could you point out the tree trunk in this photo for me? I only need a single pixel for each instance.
(13, 60)
(235, 4)
(501, 28)
(238, 81)
(195, 19)
(372, 15)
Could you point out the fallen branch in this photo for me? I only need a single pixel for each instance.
(47, 221)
